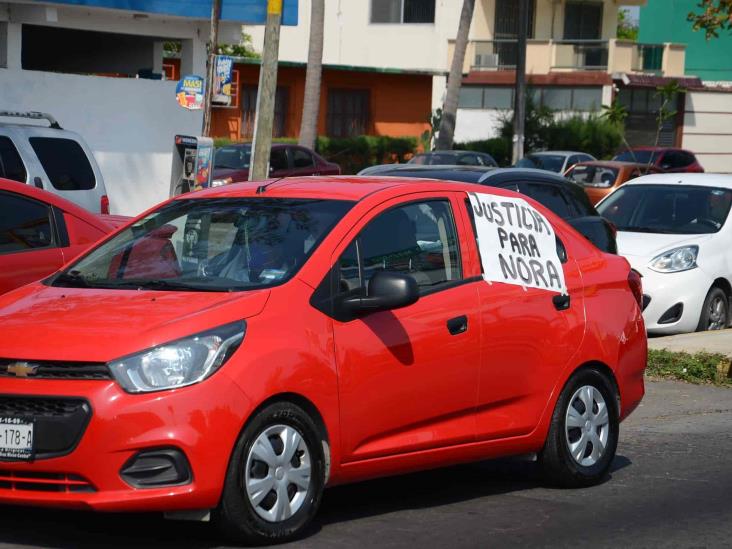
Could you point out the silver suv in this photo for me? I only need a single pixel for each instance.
(51, 158)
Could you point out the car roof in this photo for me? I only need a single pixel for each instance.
(561, 153)
(451, 151)
(613, 164)
(698, 179)
(67, 206)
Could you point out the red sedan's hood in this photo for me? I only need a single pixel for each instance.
(45, 323)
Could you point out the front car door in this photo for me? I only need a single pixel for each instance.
(279, 165)
(28, 241)
(302, 161)
(408, 378)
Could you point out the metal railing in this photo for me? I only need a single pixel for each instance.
(581, 54)
(500, 54)
(648, 58)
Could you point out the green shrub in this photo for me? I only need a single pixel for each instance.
(498, 147)
(696, 368)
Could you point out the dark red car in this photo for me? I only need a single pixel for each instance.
(40, 231)
(664, 158)
(231, 163)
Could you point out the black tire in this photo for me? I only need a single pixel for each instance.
(557, 463)
(715, 295)
(235, 516)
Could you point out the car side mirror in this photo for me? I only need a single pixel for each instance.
(386, 291)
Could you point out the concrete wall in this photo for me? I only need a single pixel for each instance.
(128, 123)
(708, 129)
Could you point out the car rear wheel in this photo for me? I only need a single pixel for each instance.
(583, 435)
(715, 311)
(275, 479)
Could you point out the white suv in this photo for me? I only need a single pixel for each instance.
(51, 158)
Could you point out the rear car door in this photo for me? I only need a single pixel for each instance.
(279, 165)
(29, 243)
(408, 377)
(302, 161)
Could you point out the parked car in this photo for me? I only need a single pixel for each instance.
(454, 158)
(565, 198)
(40, 231)
(600, 178)
(553, 161)
(51, 158)
(664, 158)
(674, 230)
(231, 163)
(172, 389)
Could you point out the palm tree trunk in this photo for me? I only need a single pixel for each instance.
(311, 101)
(449, 108)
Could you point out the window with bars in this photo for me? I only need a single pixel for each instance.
(402, 11)
(248, 98)
(584, 99)
(348, 112)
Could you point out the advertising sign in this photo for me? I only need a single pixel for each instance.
(190, 92)
(203, 166)
(517, 243)
(222, 80)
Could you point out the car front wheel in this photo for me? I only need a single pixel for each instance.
(583, 435)
(275, 479)
(715, 311)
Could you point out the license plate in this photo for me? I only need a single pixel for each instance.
(16, 439)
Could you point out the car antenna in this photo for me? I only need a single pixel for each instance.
(262, 188)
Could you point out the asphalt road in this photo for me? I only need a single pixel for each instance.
(671, 486)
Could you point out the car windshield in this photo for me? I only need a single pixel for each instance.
(209, 245)
(434, 159)
(593, 176)
(668, 209)
(233, 158)
(550, 162)
(641, 157)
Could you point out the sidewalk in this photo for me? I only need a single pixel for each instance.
(709, 342)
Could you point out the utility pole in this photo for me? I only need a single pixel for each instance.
(264, 119)
(519, 104)
(211, 66)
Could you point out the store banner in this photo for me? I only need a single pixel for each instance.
(222, 80)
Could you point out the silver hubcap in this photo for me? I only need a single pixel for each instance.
(717, 314)
(587, 426)
(277, 473)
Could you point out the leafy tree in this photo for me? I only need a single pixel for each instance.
(627, 29)
(715, 15)
(668, 94)
(615, 114)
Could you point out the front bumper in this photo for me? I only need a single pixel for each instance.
(666, 290)
(202, 421)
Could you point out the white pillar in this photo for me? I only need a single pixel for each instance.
(12, 40)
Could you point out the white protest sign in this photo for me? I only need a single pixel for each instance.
(517, 243)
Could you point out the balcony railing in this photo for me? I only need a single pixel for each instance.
(581, 55)
(648, 58)
(495, 54)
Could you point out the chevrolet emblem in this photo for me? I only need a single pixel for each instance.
(21, 369)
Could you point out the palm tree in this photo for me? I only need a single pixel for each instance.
(616, 114)
(311, 101)
(449, 107)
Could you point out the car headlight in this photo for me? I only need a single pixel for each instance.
(676, 260)
(221, 182)
(178, 363)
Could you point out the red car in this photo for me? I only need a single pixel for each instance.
(40, 231)
(231, 163)
(312, 332)
(664, 158)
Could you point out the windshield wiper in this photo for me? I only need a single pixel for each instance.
(645, 230)
(72, 279)
(163, 284)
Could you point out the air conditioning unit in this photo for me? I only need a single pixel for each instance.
(487, 61)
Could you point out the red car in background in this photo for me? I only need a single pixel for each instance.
(231, 163)
(311, 332)
(40, 231)
(666, 159)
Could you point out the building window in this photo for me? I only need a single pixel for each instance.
(248, 98)
(583, 20)
(555, 98)
(348, 112)
(402, 11)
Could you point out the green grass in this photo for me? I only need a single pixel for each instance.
(697, 368)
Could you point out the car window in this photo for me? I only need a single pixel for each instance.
(550, 196)
(487, 160)
(11, 166)
(593, 176)
(550, 162)
(65, 163)
(685, 159)
(418, 239)
(301, 158)
(574, 159)
(278, 159)
(468, 160)
(233, 158)
(24, 224)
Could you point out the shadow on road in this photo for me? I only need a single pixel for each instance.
(66, 529)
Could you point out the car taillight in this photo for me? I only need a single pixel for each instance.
(104, 204)
(636, 286)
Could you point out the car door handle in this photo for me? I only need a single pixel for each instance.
(38, 182)
(457, 325)
(561, 302)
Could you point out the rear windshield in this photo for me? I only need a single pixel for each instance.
(640, 157)
(550, 162)
(233, 158)
(668, 209)
(434, 159)
(210, 245)
(593, 176)
(65, 163)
